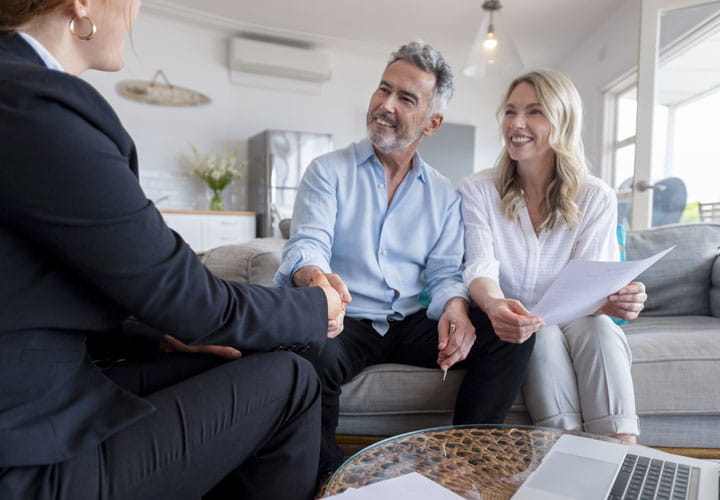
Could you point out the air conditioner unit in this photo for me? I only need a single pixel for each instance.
(252, 56)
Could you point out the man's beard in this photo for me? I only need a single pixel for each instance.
(393, 142)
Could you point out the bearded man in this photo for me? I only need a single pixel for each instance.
(384, 226)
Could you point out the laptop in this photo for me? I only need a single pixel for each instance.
(581, 468)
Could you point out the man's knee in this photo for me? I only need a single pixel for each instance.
(480, 321)
(328, 364)
(519, 354)
(301, 368)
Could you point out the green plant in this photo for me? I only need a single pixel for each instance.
(216, 170)
(691, 213)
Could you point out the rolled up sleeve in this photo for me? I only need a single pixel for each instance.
(313, 222)
(443, 273)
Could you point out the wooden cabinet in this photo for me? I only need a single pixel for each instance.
(206, 230)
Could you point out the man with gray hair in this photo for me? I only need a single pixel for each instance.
(384, 226)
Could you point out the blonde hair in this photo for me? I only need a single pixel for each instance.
(562, 106)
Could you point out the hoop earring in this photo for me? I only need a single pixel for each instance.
(93, 28)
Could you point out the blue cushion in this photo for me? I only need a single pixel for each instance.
(621, 237)
(424, 298)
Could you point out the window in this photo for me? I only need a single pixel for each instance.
(684, 119)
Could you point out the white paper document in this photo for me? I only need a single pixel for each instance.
(411, 486)
(582, 287)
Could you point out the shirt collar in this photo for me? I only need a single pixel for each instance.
(42, 52)
(365, 152)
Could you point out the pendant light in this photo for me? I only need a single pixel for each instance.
(492, 51)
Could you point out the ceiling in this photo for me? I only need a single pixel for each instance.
(545, 31)
(381, 25)
(692, 72)
(688, 66)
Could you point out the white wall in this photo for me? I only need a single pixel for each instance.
(196, 57)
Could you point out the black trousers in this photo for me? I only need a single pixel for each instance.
(494, 369)
(245, 429)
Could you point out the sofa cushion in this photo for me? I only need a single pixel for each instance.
(254, 262)
(384, 388)
(679, 284)
(391, 398)
(676, 364)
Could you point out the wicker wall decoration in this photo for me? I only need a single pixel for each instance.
(164, 94)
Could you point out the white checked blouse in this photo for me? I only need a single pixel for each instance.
(525, 264)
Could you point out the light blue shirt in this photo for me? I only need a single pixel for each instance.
(41, 51)
(386, 255)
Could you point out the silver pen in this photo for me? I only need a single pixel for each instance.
(450, 334)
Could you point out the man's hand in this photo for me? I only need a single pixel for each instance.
(335, 290)
(452, 350)
(340, 287)
(170, 344)
(627, 302)
(511, 321)
(305, 275)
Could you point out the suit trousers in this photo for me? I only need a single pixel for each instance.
(494, 369)
(579, 378)
(222, 430)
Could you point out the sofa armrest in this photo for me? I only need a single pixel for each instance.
(254, 262)
(715, 289)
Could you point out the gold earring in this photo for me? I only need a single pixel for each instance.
(93, 28)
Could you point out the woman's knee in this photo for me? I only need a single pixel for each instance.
(597, 333)
(548, 343)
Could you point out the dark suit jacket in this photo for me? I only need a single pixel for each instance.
(81, 249)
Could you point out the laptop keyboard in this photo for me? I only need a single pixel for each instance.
(644, 478)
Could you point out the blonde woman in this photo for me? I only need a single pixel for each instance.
(524, 220)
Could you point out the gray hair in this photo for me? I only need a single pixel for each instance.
(429, 59)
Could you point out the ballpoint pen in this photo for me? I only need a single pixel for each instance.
(450, 334)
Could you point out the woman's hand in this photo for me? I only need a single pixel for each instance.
(627, 302)
(511, 321)
(170, 344)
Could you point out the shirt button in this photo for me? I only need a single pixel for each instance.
(384, 252)
(381, 185)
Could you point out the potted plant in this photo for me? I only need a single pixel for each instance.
(217, 171)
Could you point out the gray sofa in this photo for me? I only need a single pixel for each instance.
(675, 345)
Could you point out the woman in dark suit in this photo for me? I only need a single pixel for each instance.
(88, 267)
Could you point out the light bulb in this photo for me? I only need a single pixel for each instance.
(490, 42)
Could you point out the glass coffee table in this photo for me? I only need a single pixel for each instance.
(481, 462)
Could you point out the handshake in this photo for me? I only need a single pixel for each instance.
(336, 292)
